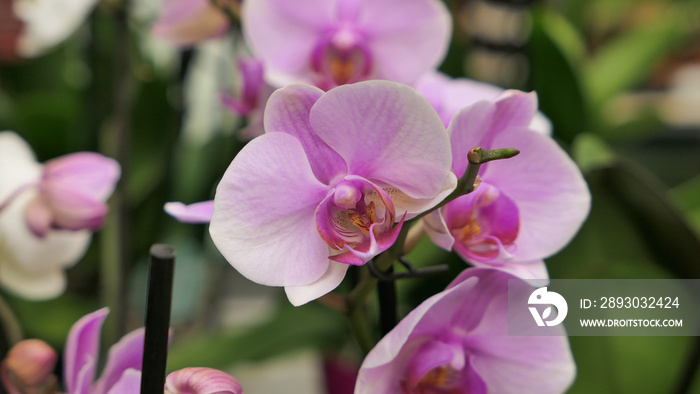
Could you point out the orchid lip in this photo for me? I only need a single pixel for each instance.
(484, 225)
(341, 57)
(356, 217)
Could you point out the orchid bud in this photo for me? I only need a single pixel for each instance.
(201, 381)
(29, 367)
(73, 189)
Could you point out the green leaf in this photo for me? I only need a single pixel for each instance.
(614, 365)
(591, 152)
(670, 239)
(290, 329)
(687, 197)
(51, 320)
(555, 50)
(629, 58)
(633, 231)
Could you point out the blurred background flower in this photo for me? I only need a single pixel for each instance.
(616, 79)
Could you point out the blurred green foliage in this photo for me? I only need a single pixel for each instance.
(644, 176)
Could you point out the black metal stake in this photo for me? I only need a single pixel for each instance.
(160, 291)
(388, 314)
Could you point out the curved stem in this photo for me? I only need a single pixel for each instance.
(691, 368)
(116, 245)
(384, 261)
(10, 324)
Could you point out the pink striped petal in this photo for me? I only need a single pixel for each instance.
(199, 212)
(386, 133)
(263, 221)
(186, 22)
(123, 356)
(82, 350)
(129, 383)
(201, 381)
(86, 173)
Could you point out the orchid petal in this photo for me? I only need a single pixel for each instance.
(407, 38)
(484, 223)
(73, 210)
(385, 365)
(129, 383)
(467, 130)
(270, 242)
(388, 348)
(300, 295)
(449, 95)
(44, 285)
(551, 194)
(186, 22)
(46, 24)
(415, 206)
(431, 355)
(532, 272)
(437, 230)
(472, 315)
(82, 349)
(284, 33)
(30, 266)
(201, 381)
(125, 355)
(506, 362)
(395, 138)
(18, 166)
(513, 109)
(38, 216)
(287, 111)
(199, 212)
(478, 124)
(86, 173)
(57, 249)
(378, 243)
(541, 124)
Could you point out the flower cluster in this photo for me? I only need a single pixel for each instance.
(29, 366)
(362, 142)
(329, 184)
(348, 161)
(47, 214)
(457, 342)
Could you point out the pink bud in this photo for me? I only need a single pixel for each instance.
(72, 193)
(201, 381)
(29, 365)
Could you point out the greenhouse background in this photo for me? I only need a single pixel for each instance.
(618, 79)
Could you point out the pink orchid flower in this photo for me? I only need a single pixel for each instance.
(333, 42)
(457, 342)
(251, 100)
(47, 213)
(326, 183)
(523, 209)
(449, 95)
(121, 374)
(187, 22)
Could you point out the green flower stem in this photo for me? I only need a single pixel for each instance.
(116, 245)
(358, 317)
(10, 324)
(468, 182)
(690, 369)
